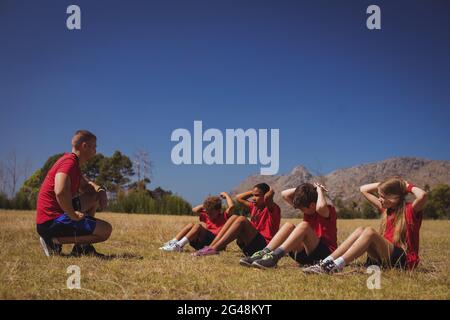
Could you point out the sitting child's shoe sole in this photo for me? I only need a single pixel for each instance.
(245, 263)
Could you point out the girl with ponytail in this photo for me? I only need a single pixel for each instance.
(396, 244)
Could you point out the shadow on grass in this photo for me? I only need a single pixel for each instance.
(126, 256)
(421, 268)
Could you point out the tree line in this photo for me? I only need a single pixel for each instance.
(127, 183)
(116, 173)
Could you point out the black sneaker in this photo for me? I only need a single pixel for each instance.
(268, 261)
(85, 250)
(247, 261)
(50, 248)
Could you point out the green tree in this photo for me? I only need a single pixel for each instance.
(140, 201)
(92, 168)
(30, 188)
(438, 204)
(4, 201)
(343, 212)
(368, 211)
(115, 172)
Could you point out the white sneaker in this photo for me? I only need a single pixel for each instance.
(168, 244)
(173, 248)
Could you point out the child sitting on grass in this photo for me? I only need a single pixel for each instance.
(397, 243)
(202, 234)
(254, 234)
(311, 240)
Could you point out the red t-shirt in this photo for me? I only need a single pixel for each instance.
(266, 222)
(214, 225)
(413, 224)
(47, 207)
(325, 228)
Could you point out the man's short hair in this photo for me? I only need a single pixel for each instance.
(82, 136)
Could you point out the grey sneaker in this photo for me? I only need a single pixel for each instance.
(327, 267)
(313, 269)
(50, 248)
(268, 261)
(247, 261)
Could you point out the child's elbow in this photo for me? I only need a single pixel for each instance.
(323, 210)
(424, 196)
(59, 193)
(285, 195)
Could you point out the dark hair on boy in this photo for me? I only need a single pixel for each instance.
(264, 187)
(304, 195)
(212, 203)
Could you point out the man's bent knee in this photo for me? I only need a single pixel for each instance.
(103, 229)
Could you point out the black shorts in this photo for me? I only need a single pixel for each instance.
(258, 243)
(396, 260)
(206, 241)
(319, 253)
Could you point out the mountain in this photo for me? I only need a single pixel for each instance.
(345, 183)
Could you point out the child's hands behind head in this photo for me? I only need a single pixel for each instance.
(223, 195)
(320, 186)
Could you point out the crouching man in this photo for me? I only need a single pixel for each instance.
(67, 203)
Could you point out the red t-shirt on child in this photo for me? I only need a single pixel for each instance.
(413, 224)
(47, 207)
(325, 228)
(214, 225)
(266, 222)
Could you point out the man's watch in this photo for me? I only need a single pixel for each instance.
(101, 188)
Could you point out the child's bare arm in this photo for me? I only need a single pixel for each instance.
(197, 209)
(230, 203)
(321, 204)
(242, 198)
(367, 191)
(288, 195)
(421, 197)
(268, 199)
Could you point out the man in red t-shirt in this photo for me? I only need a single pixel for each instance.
(203, 234)
(310, 241)
(67, 202)
(254, 234)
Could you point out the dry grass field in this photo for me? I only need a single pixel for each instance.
(136, 269)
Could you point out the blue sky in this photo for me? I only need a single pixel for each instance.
(340, 94)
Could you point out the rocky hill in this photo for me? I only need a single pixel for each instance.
(345, 183)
